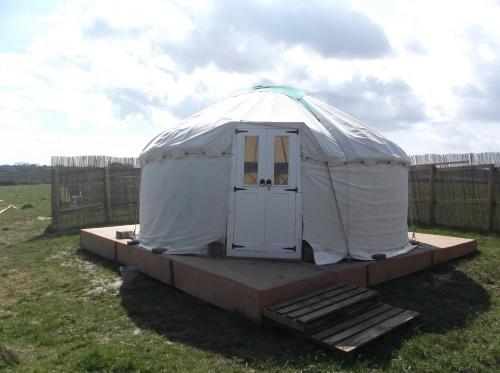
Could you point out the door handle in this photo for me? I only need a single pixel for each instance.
(268, 184)
(262, 182)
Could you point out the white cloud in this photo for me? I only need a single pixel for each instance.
(448, 137)
(104, 77)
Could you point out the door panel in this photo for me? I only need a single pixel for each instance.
(249, 200)
(265, 202)
(280, 219)
(248, 232)
(282, 151)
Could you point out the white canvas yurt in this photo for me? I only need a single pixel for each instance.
(267, 170)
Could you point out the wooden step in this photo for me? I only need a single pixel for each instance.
(307, 312)
(342, 316)
(352, 333)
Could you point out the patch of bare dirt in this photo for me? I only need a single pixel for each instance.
(60, 254)
(101, 285)
(98, 284)
(80, 264)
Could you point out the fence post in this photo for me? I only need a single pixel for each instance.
(491, 197)
(56, 196)
(432, 173)
(107, 195)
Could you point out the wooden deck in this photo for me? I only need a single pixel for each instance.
(249, 286)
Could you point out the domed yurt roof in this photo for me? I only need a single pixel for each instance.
(339, 137)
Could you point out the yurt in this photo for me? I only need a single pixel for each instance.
(268, 172)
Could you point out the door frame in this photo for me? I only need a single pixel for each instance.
(230, 252)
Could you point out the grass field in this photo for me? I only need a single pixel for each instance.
(61, 309)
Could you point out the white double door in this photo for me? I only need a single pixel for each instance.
(265, 220)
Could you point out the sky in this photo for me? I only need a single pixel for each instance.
(104, 77)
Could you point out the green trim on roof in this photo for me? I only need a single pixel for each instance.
(294, 93)
(291, 92)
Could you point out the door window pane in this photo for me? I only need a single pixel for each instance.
(251, 164)
(281, 160)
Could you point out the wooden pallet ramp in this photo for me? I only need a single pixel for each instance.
(307, 312)
(343, 316)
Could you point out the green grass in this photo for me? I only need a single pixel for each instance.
(20, 195)
(61, 310)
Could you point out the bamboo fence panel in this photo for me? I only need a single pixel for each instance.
(451, 160)
(418, 188)
(496, 202)
(94, 190)
(463, 197)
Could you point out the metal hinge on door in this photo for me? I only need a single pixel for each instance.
(290, 248)
(237, 246)
(236, 188)
(292, 190)
(293, 131)
(239, 131)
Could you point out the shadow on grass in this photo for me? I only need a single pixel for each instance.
(445, 297)
(48, 234)
(52, 231)
(98, 260)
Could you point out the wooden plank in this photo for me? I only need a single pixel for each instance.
(375, 331)
(107, 195)
(420, 200)
(351, 321)
(316, 299)
(349, 312)
(464, 168)
(282, 321)
(337, 306)
(306, 296)
(327, 302)
(462, 202)
(131, 202)
(337, 317)
(491, 198)
(431, 196)
(56, 196)
(336, 338)
(361, 306)
(82, 207)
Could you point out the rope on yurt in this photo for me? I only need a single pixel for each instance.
(413, 240)
(339, 214)
(135, 191)
(347, 211)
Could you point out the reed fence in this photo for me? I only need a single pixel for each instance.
(455, 190)
(463, 197)
(457, 159)
(89, 191)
